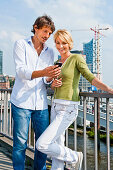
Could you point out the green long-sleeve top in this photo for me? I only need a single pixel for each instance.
(70, 73)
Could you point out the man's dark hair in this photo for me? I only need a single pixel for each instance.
(44, 21)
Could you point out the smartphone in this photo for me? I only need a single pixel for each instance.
(59, 64)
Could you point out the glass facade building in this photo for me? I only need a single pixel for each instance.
(89, 51)
(90, 55)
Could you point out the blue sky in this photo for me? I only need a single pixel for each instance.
(18, 16)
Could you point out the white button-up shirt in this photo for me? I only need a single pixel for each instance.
(28, 93)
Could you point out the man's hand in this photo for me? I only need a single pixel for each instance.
(52, 71)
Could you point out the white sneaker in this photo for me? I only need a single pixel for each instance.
(77, 165)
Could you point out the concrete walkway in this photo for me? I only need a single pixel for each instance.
(5, 162)
(6, 156)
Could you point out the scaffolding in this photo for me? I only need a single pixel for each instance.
(97, 49)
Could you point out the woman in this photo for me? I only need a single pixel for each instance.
(64, 109)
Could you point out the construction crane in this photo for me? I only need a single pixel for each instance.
(97, 48)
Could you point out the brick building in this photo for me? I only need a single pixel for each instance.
(4, 82)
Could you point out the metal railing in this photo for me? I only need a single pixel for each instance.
(96, 96)
(6, 123)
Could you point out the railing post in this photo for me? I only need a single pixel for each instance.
(84, 119)
(95, 124)
(5, 113)
(98, 123)
(66, 142)
(10, 120)
(107, 133)
(66, 137)
(75, 135)
(1, 118)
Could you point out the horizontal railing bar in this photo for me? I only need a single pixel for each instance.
(86, 94)
(50, 92)
(8, 90)
(101, 95)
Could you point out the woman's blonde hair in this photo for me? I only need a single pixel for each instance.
(65, 36)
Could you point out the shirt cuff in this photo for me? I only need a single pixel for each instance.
(44, 78)
(28, 75)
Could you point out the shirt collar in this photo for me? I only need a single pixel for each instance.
(29, 40)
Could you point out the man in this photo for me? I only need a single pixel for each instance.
(33, 60)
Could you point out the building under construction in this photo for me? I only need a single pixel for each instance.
(93, 61)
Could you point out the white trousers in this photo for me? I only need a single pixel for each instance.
(51, 142)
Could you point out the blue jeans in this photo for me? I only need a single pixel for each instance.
(21, 119)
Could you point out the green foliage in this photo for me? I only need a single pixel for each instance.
(11, 82)
(71, 126)
(91, 134)
(102, 136)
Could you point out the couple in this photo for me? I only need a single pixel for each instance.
(33, 60)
